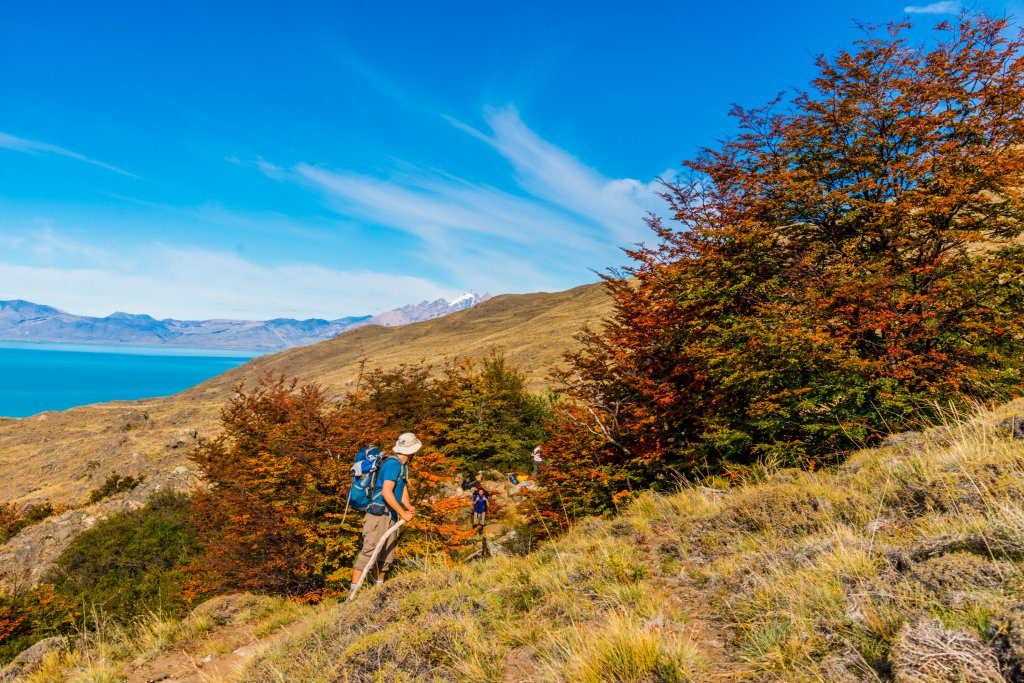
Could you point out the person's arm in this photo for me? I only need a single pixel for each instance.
(406, 500)
(388, 491)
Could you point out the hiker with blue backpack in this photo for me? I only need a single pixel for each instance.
(480, 501)
(380, 488)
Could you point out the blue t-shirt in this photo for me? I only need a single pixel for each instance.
(479, 503)
(391, 470)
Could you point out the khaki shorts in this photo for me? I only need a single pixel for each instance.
(374, 527)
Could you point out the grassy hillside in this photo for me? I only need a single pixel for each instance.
(61, 456)
(904, 564)
(533, 330)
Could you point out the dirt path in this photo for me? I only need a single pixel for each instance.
(706, 624)
(218, 656)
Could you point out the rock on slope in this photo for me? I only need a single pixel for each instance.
(30, 554)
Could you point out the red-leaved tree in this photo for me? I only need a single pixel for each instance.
(845, 264)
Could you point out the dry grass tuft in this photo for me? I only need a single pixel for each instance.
(927, 652)
(623, 649)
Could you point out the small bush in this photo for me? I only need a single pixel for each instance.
(114, 484)
(29, 616)
(520, 540)
(13, 520)
(130, 564)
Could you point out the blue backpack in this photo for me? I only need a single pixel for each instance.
(364, 481)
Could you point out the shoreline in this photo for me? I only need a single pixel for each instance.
(131, 349)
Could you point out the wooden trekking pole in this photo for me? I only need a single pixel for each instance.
(372, 564)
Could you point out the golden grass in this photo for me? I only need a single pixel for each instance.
(622, 648)
(113, 651)
(793, 576)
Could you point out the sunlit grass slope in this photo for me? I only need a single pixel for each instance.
(532, 330)
(905, 564)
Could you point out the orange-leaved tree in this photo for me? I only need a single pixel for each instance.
(29, 614)
(845, 264)
(275, 516)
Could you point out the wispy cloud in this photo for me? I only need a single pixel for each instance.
(17, 144)
(567, 219)
(45, 241)
(185, 282)
(477, 235)
(943, 7)
(270, 170)
(441, 208)
(552, 174)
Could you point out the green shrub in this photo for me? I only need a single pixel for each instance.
(490, 419)
(479, 412)
(114, 484)
(13, 520)
(130, 564)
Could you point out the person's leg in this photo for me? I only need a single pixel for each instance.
(374, 527)
(387, 553)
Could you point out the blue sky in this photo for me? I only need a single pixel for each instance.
(316, 159)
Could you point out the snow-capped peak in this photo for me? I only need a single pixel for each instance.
(468, 297)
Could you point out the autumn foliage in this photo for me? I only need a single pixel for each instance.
(271, 520)
(31, 614)
(13, 519)
(843, 266)
(274, 519)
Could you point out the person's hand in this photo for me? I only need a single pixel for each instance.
(411, 508)
(407, 515)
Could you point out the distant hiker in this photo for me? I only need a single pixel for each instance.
(470, 482)
(480, 500)
(388, 502)
(537, 461)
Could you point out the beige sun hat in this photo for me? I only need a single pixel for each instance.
(407, 444)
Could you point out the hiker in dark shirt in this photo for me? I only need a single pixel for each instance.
(480, 500)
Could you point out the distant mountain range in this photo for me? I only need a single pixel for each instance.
(26, 321)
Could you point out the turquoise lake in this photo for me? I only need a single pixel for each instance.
(38, 377)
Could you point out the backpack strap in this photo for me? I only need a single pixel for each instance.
(404, 474)
(376, 471)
